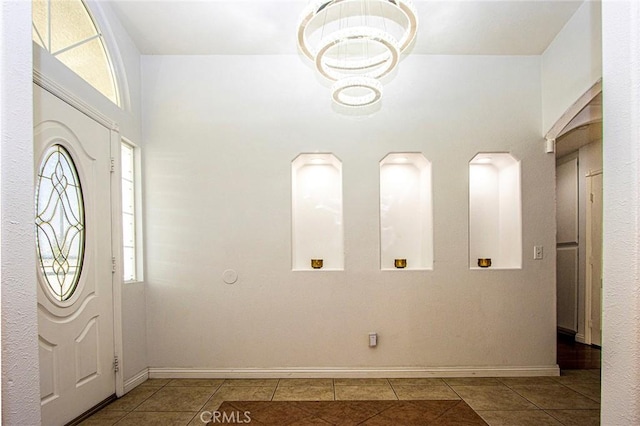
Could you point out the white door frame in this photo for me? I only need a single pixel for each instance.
(116, 209)
(589, 281)
(557, 130)
(560, 126)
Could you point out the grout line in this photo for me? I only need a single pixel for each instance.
(196, 415)
(208, 399)
(393, 390)
(273, 393)
(585, 395)
(451, 389)
(459, 396)
(525, 398)
(333, 383)
(457, 403)
(144, 400)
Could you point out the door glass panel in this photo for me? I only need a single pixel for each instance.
(60, 230)
(66, 29)
(40, 22)
(89, 61)
(70, 24)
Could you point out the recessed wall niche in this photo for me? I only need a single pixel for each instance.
(317, 226)
(406, 214)
(495, 212)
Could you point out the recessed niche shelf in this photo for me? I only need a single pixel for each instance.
(316, 203)
(495, 212)
(406, 214)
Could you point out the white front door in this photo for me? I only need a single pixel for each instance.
(73, 238)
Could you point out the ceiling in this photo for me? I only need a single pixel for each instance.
(268, 27)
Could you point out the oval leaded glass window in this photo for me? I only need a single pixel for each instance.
(59, 222)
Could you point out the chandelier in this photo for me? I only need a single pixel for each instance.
(356, 43)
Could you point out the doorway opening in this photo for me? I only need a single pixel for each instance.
(579, 174)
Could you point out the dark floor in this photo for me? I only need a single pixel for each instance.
(365, 413)
(576, 356)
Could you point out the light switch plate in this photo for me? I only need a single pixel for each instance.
(538, 252)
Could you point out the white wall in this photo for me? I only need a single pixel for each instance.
(220, 134)
(621, 286)
(572, 63)
(20, 376)
(126, 59)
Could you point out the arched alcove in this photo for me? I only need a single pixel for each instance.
(406, 218)
(316, 212)
(495, 216)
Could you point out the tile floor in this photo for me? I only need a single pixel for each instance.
(571, 399)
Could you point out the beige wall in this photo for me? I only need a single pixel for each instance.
(220, 135)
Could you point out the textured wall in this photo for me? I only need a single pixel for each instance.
(621, 286)
(20, 378)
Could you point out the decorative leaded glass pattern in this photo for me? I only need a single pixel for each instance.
(66, 29)
(60, 224)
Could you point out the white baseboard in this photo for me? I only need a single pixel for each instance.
(136, 380)
(273, 373)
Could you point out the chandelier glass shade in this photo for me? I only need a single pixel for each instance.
(355, 43)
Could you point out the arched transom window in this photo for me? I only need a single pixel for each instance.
(66, 29)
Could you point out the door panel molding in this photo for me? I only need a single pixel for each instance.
(71, 99)
(81, 334)
(63, 94)
(63, 319)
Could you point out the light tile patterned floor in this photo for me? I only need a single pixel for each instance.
(571, 399)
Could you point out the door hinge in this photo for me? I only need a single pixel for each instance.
(113, 265)
(116, 364)
(113, 164)
(591, 197)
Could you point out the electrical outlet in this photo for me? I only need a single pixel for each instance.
(538, 252)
